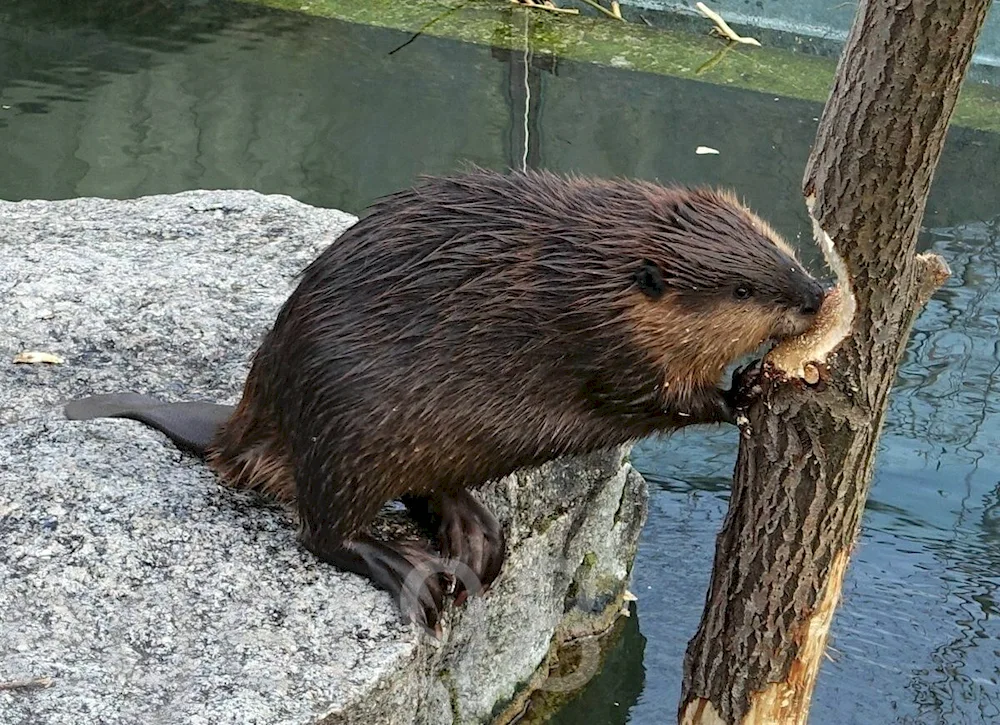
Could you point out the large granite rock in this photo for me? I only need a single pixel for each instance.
(149, 593)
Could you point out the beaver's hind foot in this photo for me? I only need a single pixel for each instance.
(468, 535)
(411, 574)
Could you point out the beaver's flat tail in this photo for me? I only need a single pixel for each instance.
(191, 426)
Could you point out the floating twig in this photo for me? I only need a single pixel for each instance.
(426, 25)
(714, 60)
(550, 7)
(723, 27)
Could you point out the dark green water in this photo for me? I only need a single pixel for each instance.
(122, 99)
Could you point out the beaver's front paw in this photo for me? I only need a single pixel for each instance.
(745, 387)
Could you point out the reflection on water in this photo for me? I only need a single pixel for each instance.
(945, 416)
(154, 96)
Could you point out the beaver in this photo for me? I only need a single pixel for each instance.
(477, 324)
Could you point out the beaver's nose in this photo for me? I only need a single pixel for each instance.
(812, 302)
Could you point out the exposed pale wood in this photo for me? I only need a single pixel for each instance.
(787, 701)
(805, 461)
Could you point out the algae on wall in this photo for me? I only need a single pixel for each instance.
(818, 19)
(628, 45)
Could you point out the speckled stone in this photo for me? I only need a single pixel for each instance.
(149, 593)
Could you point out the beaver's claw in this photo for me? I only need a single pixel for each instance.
(746, 386)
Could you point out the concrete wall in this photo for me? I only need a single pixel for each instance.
(815, 18)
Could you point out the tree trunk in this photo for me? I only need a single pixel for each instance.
(809, 441)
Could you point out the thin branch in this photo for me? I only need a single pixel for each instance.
(551, 8)
(598, 6)
(420, 31)
(723, 27)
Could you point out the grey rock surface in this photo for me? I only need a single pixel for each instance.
(149, 593)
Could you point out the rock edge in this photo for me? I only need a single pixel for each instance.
(149, 593)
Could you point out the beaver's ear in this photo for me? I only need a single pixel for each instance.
(649, 279)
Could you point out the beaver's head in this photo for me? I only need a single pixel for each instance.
(715, 282)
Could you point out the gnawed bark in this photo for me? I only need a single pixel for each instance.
(806, 456)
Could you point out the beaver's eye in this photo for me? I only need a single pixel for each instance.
(742, 291)
(649, 280)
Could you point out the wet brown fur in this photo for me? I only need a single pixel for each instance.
(478, 324)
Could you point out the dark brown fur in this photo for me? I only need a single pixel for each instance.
(474, 325)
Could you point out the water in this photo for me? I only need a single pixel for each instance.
(126, 98)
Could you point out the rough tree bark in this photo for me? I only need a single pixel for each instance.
(805, 458)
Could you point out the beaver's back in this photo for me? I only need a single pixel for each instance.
(477, 324)
(457, 330)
